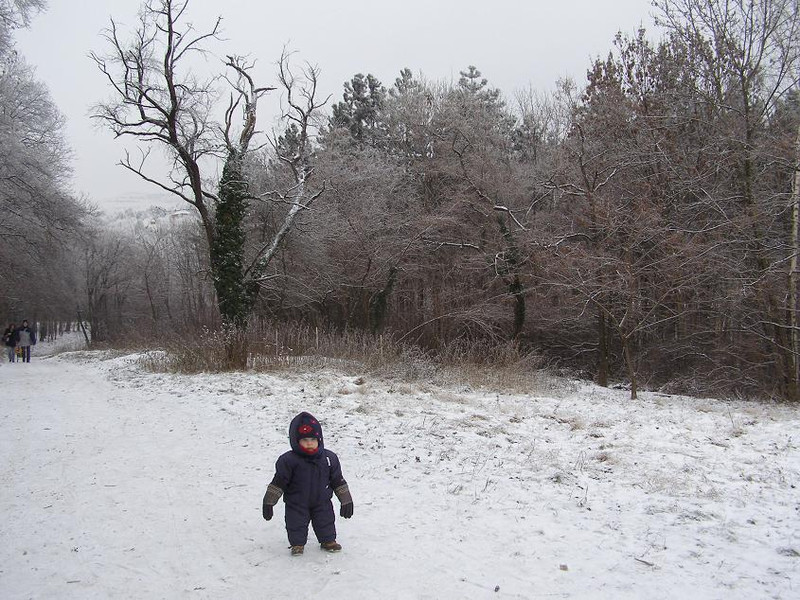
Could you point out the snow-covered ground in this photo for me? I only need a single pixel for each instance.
(118, 483)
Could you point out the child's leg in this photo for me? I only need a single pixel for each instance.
(297, 518)
(323, 520)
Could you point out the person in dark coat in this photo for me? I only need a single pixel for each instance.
(10, 341)
(25, 339)
(307, 477)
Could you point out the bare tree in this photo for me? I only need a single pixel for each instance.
(294, 150)
(749, 54)
(160, 102)
(107, 280)
(794, 305)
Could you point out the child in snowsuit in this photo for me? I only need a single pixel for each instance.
(307, 477)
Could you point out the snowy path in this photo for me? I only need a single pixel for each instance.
(122, 484)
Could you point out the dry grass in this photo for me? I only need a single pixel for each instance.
(480, 365)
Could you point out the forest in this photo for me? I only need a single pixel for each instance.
(639, 227)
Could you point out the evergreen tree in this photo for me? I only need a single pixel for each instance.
(360, 109)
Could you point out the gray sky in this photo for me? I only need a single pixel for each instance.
(516, 44)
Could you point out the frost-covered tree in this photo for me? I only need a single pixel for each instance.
(38, 215)
(16, 14)
(360, 109)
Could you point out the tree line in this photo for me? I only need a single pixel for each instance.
(39, 217)
(641, 226)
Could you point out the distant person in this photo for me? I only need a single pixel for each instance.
(25, 339)
(307, 477)
(10, 341)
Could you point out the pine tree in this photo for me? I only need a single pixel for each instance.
(360, 109)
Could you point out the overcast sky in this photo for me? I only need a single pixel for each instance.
(516, 44)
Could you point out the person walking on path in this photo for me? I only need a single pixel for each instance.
(10, 341)
(25, 339)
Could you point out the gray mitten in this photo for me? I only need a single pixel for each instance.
(343, 494)
(271, 498)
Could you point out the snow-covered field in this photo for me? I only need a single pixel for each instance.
(117, 483)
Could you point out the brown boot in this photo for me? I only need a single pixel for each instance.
(331, 546)
(297, 550)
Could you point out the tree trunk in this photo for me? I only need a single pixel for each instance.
(602, 349)
(793, 300)
(518, 293)
(626, 351)
(379, 303)
(515, 287)
(234, 296)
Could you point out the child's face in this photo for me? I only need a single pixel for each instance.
(309, 443)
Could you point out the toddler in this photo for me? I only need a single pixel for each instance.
(307, 477)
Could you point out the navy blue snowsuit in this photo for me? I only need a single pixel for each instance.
(308, 482)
